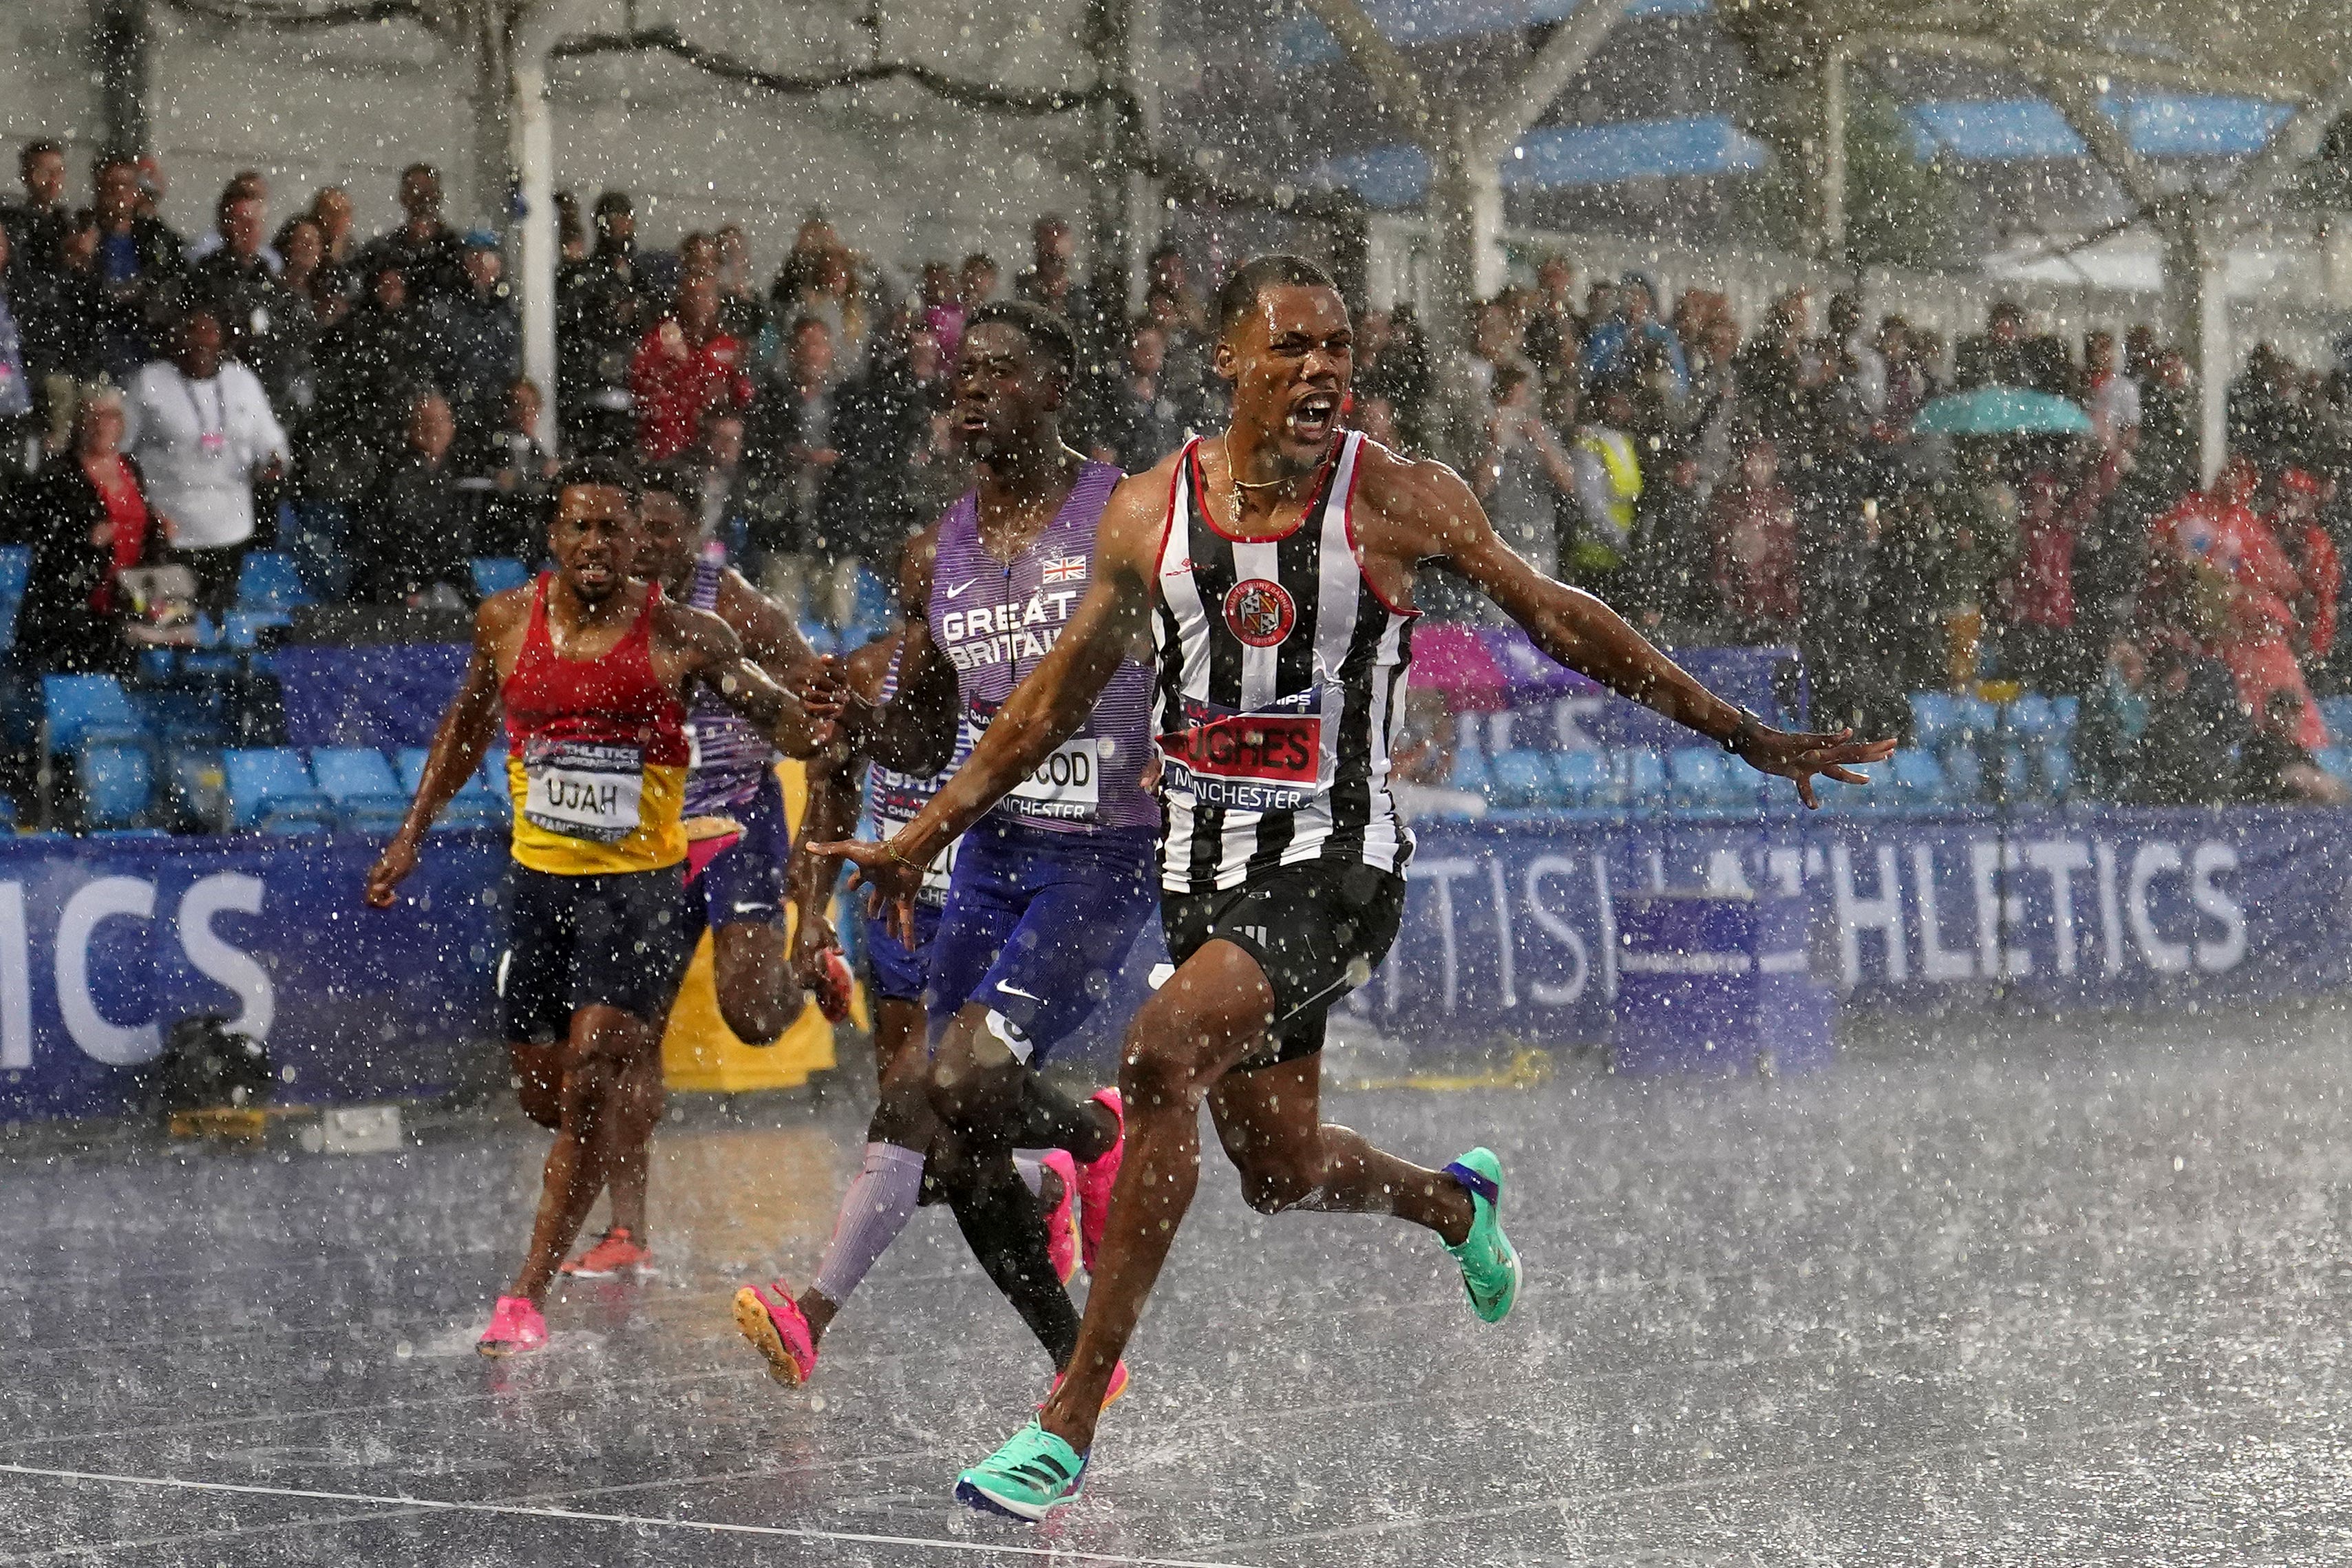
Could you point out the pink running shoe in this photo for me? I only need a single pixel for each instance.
(516, 1328)
(1095, 1179)
(1062, 1224)
(1111, 1396)
(772, 1321)
(616, 1253)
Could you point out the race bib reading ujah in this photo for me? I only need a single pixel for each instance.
(1270, 761)
(583, 791)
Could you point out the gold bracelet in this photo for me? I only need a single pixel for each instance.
(891, 849)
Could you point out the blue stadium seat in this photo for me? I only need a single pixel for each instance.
(243, 632)
(1964, 781)
(116, 782)
(1518, 780)
(2053, 767)
(1934, 716)
(200, 787)
(78, 707)
(2334, 760)
(16, 565)
(2032, 719)
(1584, 777)
(1469, 771)
(482, 803)
(496, 573)
(359, 781)
(1914, 778)
(1640, 780)
(1846, 799)
(2337, 713)
(1699, 779)
(269, 582)
(269, 782)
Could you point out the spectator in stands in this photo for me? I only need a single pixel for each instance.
(1555, 336)
(1860, 365)
(1167, 274)
(2002, 356)
(330, 211)
(426, 250)
(1392, 364)
(718, 466)
(603, 308)
(741, 316)
(1632, 319)
(520, 497)
(570, 234)
(1052, 282)
(2113, 396)
(138, 258)
(418, 533)
(976, 282)
(1667, 587)
(15, 379)
(883, 420)
(477, 340)
(1524, 476)
(2038, 645)
(2312, 553)
(243, 283)
(244, 182)
(2113, 718)
(794, 455)
(36, 227)
(201, 428)
(1139, 422)
(1607, 484)
(2168, 448)
(942, 311)
(1777, 380)
(90, 519)
(818, 281)
(2269, 419)
(2274, 765)
(683, 368)
(1978, 516)
(364, 366)
(56, 305)
(1753, 522)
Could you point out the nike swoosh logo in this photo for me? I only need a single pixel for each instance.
(961, 587)
(1017, 991)
(750, 909)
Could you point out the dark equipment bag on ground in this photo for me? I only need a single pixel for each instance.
(206, 1065)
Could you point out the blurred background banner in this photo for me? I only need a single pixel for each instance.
(1510, 935)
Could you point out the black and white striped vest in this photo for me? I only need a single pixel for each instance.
(1278, 672)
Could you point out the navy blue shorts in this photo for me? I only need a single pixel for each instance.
(744, 883)
(611, 940)
(895, 971)
(1037, 924)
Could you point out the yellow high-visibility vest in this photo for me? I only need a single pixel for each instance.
(1615, 451)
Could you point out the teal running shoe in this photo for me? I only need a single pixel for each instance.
(1490, 1264)
(1027, 1479)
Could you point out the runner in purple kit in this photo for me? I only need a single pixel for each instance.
(1047, 892)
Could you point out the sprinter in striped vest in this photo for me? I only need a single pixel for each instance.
(1272, 567)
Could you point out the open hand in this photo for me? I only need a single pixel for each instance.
(890, 880)
(1798, 756)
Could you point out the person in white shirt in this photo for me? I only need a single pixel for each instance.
(201, 431)
(2114, 396)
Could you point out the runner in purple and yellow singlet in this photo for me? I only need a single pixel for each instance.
(1049, 890)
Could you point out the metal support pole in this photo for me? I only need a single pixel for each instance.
(534, 226)
(1831, 228)
(119, 45)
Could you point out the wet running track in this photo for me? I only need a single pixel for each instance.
(2043, 1293)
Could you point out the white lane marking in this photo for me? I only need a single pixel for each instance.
(645, 1521)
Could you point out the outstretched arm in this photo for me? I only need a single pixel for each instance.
(1047, 708)
(459, 742)
(1422, 512)
(915, 731)
(711, 653)
(776, 645)
(834, 775)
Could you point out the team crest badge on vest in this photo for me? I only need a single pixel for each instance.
(1260, 611)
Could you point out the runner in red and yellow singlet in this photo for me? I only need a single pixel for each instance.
(593, 671)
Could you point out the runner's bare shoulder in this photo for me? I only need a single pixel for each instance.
(1406, 506)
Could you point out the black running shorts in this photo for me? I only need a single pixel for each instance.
(614, 940)
(1309, 926)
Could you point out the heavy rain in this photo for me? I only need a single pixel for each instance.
(1229, 784)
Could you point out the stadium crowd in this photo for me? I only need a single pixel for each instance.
(358, 403)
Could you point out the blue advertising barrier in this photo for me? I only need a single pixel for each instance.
(1510, 929)
(1511, 933)
(104, 943)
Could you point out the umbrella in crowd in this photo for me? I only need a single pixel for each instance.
(2000, 411)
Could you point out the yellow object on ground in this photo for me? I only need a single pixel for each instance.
(701, 1054)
